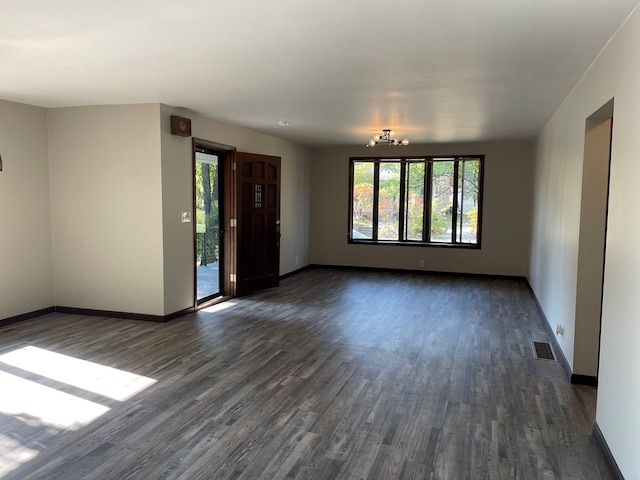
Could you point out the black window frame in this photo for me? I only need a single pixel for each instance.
(428, 177)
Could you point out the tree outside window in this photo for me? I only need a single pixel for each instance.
(427, 200)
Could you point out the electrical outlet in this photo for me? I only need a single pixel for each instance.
(297, 260)
(559, 329)
(421, 263)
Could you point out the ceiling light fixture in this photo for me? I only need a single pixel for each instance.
(386, 139)
(284, 123)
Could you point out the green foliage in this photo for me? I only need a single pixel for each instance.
(389, 200)
(415, 200)
(470, 170)
(414, 218)
(362, 192)
(207, 212)
(415, 192)
(471, 217)
(440, 220)
(441, 197)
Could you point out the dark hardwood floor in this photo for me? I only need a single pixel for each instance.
(336, 374)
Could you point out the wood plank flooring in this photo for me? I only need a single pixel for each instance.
(337, 374)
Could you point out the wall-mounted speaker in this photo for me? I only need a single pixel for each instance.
(180, 126)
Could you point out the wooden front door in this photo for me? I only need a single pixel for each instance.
(258, 217)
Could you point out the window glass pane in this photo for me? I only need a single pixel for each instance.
(258, 195)
(389, 201)
(468, 188)
(414, 201)
(207, 218)
(442, 201)
(362, 200)
(428, 199)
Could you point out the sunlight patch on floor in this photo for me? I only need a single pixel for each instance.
(219, 306)
(38, 405)
(13, 454)
(41, 406)
(107, 381)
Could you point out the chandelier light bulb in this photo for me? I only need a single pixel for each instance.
(386, 139)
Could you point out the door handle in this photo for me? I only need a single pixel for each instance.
(278, 233)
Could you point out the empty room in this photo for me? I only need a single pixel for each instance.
(319, 240)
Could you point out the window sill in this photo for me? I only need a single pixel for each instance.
(465, 246)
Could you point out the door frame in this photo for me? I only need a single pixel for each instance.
(228, 234)
(592, 246)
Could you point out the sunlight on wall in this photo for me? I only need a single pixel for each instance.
(93, 377)
(42, 406)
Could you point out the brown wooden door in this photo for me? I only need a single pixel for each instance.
(258, 228)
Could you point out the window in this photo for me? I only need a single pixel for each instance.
(416, 201)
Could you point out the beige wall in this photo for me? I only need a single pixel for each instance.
(101, 190)
(178, 191)
(106, 207)
(26, 263)
(505, 221)
(294, 196)
(615, 74)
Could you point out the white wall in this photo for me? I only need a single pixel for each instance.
(26, 263)
(106, 204)
(616, 73)
(505, 216)
(178, 190)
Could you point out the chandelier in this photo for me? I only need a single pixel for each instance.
(386, 139)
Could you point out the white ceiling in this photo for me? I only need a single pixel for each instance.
(338, 70)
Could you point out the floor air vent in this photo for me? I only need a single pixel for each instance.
(543, 351)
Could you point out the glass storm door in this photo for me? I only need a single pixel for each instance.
(208, 213)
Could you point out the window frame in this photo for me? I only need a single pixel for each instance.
(428, 160)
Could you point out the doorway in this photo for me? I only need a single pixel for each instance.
(592, 244)
(208, 208)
